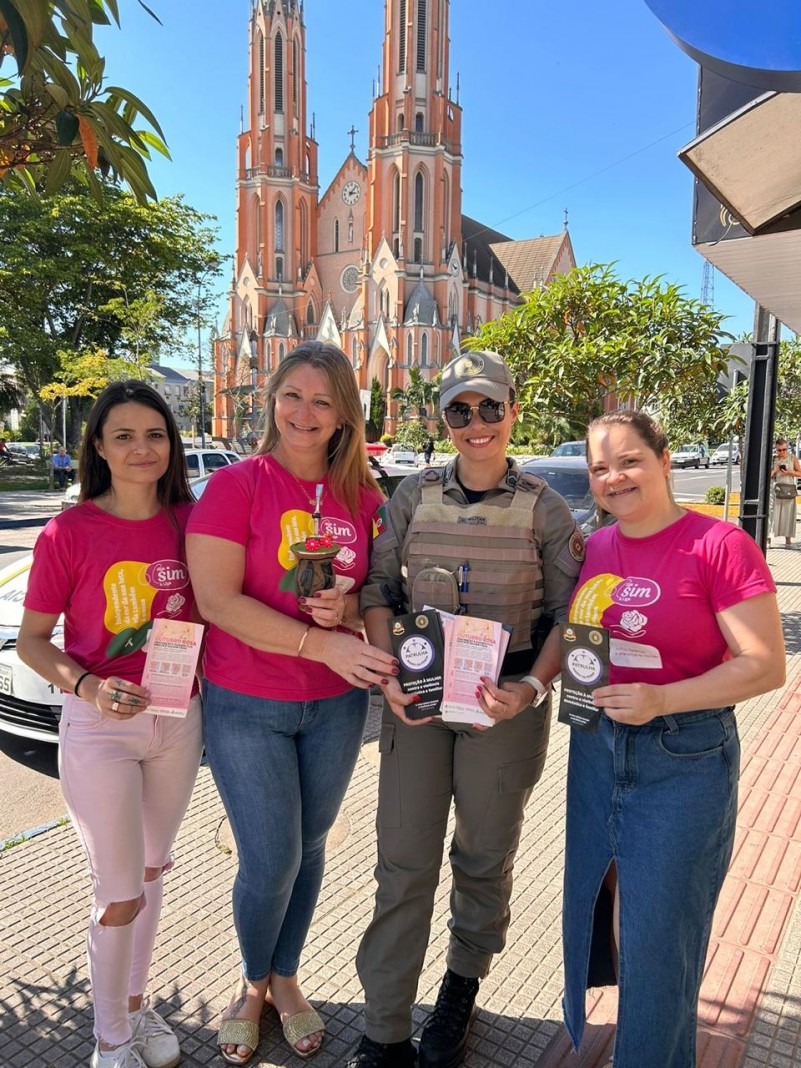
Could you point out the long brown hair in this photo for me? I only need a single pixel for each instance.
(93, 471)
(348, 469)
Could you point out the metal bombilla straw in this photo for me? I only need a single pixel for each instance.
(318, 502)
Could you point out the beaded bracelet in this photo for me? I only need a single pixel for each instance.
(77, 685)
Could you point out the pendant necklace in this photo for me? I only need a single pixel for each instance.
(315, 502)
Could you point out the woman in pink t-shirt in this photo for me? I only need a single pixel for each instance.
(286, 677)
(111, 565)
(690, 609)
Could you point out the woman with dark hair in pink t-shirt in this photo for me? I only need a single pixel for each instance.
(286, 677)
(690, 608)
(127, 776)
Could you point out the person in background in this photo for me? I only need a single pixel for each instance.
(62, 467)
(428, 451)
(5, 453)
(690, 607)
(482, 537)
(287, 677)
(127, 776)
(786, 468)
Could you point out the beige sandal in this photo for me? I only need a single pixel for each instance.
(235, 1032)
(301, 1025)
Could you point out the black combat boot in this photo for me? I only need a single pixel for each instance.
(444, 1038)
(369, 1054)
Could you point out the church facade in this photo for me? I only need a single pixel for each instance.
(382, 262)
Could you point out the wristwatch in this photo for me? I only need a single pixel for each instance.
(539, 688)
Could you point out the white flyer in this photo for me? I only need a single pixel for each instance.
(170, 666)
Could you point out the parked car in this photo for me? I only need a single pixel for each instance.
(571, 448)
(690, 456)
(31, 707)
(721, 455)
(24, 450)
(199, 462)
(401, 454)
(568, 475)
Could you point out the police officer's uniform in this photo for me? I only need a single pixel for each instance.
(524, 552)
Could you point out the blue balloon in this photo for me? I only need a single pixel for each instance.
(750, 41)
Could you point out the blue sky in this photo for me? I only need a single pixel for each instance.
(578, 105)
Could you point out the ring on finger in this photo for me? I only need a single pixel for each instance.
(115, 696)
(115, 706)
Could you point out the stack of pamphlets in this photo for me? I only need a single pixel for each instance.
(443, 658)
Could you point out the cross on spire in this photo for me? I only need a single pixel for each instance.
(352, 134)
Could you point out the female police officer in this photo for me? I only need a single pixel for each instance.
(523, 552)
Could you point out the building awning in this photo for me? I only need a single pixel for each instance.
(751, 160)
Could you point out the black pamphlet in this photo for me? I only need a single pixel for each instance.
(585, 666)
(418, 643)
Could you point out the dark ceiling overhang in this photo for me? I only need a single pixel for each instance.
(751, 160)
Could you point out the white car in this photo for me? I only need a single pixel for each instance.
(721, 455)
(402, 454)
(29, 706)
(690, 456)
(199, 463)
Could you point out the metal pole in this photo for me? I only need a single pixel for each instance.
(200, 386)
(759, 423)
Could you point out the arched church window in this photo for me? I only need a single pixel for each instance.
(409, 349)
(424, 350)
(295, 78)
(279, 226)
(279, 268)
(304, 234)
(281, 352)
(279, 157)
(262, 73)
(402, 38)
(422, 30)
(419, 192)
(418, 122)
(336, 235)
(279, 72)
(446, 210)
(310, 313)
(418, 250)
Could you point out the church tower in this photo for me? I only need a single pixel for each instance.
(415, 201)
(276, 206)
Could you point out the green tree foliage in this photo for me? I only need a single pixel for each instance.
(58, 116)
(79, 277)
(588, 335)
(419, 398)
(378, 410)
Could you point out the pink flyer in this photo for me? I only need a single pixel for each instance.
(170, 666)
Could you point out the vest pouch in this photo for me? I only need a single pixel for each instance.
(784, 491)
(436, 587)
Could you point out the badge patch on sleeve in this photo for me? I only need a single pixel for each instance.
(382, 524)
(576, 546)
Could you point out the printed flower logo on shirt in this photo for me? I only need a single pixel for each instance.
(633, 623)
(130, 587)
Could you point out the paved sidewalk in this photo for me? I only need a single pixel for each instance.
(751, 1005)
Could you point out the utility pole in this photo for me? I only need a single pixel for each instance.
(759, 423)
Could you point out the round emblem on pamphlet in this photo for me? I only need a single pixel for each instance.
(421, 622)
(596, 637)
(584, 666)
(416, 653)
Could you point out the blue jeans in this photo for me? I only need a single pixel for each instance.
(660, 802)
(282, 769)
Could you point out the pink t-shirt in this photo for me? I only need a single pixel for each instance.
(110, 577)
(657, 596)
(259, 505)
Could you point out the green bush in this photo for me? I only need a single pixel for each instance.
(387, 439)
(715, 495)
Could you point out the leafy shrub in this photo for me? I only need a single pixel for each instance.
(715, 495)
(387, 439)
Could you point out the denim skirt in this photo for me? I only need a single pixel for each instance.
(660, 802)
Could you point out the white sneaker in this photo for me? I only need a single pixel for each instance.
(127, 1056)
(157, 1041)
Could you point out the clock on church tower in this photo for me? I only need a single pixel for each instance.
(351, 191)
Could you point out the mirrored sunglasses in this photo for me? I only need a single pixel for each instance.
(461, 415)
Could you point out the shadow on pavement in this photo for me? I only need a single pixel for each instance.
(38, 756)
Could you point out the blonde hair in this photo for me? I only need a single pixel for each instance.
(348, 469)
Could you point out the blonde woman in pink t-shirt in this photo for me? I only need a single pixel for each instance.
(286, 677)
(111, 565)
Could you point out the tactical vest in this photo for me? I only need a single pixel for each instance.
(498, 543)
